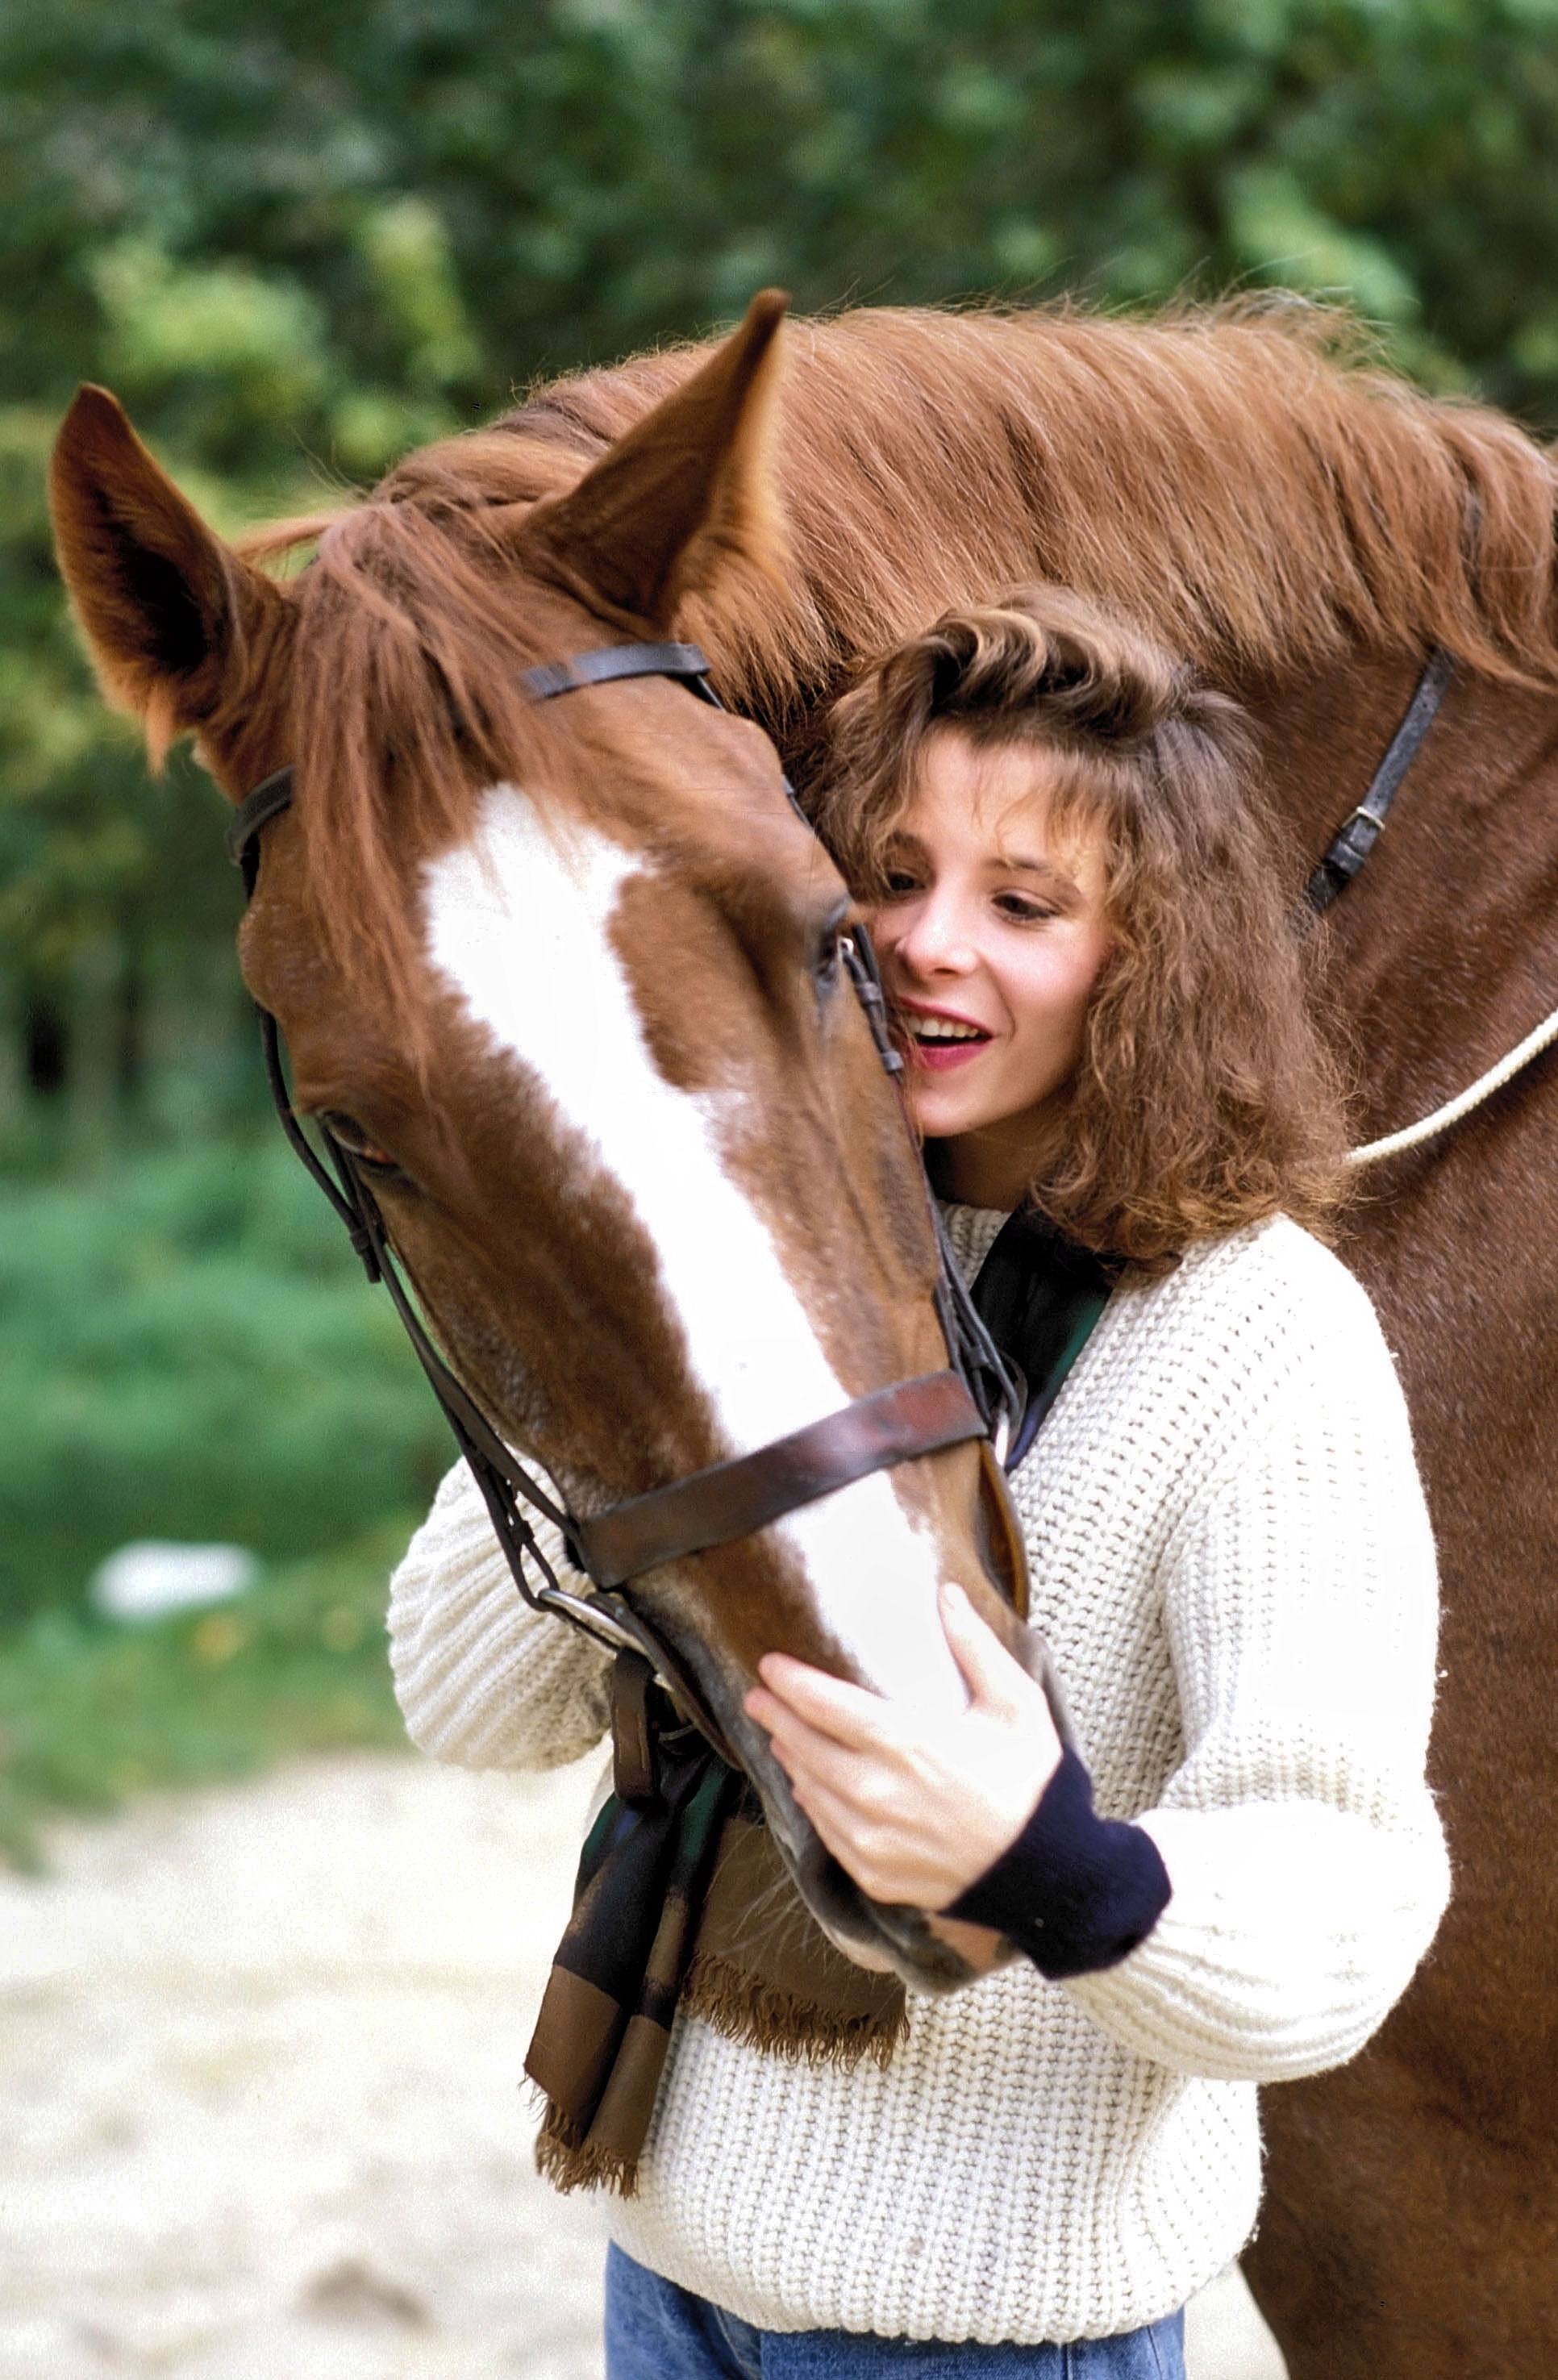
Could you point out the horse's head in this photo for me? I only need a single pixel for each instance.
(566, 981)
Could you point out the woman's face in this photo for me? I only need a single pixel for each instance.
(990, 941)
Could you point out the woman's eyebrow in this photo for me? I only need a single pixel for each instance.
(1020, 862)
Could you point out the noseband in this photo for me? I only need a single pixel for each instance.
(975, 1397)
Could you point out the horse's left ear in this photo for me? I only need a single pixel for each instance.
(171, 614)
(684, 495)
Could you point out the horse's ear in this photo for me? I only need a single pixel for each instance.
(685, 496)
(167, 608)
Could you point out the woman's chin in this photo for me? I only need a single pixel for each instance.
(946, 1110)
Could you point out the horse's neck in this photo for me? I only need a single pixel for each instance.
(1444, 952)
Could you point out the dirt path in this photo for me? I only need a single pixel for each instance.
(258, 2108)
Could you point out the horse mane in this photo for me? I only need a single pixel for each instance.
(1243, 481)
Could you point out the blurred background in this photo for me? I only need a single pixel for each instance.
(299, 238)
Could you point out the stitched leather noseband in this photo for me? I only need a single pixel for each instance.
(975, 1397)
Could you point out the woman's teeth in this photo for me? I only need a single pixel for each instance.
(945, 1029)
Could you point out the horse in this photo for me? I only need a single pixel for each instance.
(1250, 487)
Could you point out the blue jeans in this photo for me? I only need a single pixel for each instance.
(655, 2331)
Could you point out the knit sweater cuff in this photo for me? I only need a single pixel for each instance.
(1076, 1893)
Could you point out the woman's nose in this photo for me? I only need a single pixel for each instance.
(936, 940)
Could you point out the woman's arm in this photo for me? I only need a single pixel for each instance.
(979, 1817)
(481, 1679)
(1305, 1858)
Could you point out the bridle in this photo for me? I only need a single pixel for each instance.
(977, 1396)
(1344, 856)
(1354, 839)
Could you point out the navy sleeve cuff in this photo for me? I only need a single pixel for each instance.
(1076, 1893)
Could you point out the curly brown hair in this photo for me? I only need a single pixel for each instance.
(1205, 1097)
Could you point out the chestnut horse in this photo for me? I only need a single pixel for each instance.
(1308, 530)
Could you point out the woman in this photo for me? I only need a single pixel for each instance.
(1085, 942)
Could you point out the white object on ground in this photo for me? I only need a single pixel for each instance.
(153, 1576)
(259, 2051)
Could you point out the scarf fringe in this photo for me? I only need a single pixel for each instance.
(746, 2009)
(762, 2016)
(569, 2160)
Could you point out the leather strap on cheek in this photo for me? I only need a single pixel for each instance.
(634, 1779)
(1361, 830)
(1007, 1552)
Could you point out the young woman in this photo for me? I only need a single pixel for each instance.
(1086, 945)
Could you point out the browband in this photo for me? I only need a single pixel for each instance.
(688, 664)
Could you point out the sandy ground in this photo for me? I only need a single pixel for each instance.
(259, 2113)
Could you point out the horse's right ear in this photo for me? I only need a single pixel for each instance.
(686, 498)
(167, 608)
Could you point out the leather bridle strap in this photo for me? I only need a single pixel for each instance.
(731, 1500)
(271, 796)
(609, 662)
(1361, 830)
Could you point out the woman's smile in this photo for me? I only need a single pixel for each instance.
(938, 1040)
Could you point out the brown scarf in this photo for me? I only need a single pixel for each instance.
(682, 1902)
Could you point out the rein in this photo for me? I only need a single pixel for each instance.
(977, 1396)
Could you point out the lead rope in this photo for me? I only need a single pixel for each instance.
(1429, 1127)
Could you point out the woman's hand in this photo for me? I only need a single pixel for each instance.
(915, 1808)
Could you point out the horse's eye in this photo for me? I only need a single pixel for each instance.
(827, 956)
(349, 1133)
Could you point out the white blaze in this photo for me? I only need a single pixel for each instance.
(518, 921)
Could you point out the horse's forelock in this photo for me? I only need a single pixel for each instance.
(407, 699)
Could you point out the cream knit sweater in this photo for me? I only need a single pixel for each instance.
(1232, 1562)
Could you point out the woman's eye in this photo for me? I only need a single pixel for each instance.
(1020, 909)
(899, 883)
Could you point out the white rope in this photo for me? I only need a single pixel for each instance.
(1462, 1105)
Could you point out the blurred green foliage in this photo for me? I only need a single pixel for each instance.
(90, 1714)
(188, 1349)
